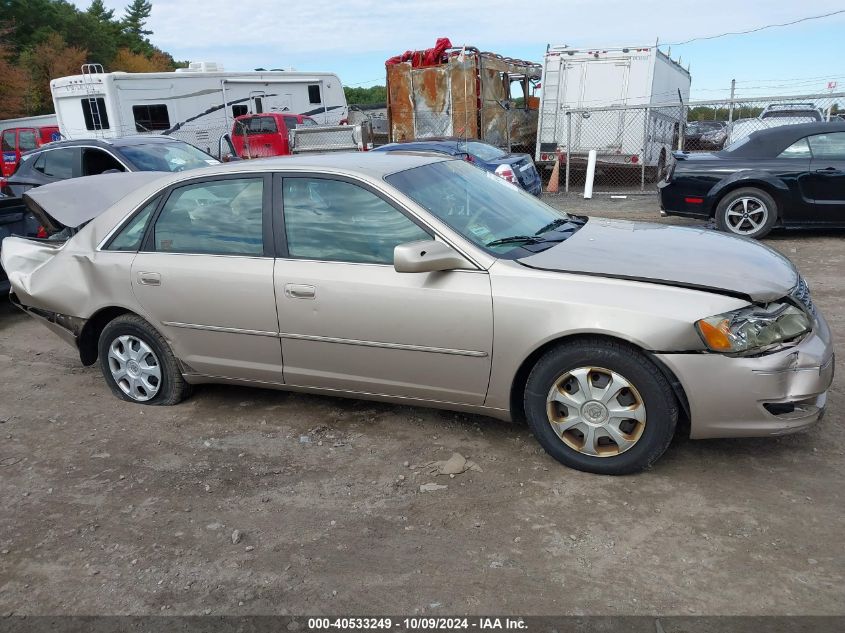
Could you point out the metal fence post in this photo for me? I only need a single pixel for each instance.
(646, 123)
(568, 146)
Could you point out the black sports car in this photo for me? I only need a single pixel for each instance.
(791, 176)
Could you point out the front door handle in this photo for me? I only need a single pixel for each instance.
(828, 170)
(300, 291)
(149, 279)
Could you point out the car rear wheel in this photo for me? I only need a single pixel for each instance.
(138, 364)
(748, 212)
(600, 406)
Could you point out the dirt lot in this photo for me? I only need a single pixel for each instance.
(115, 508)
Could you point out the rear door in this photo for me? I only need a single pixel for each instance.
(827, 177)
(603, 82)
(205, 277)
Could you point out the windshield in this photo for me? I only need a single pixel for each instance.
(488, 211)
(175, 156)
(705, 126)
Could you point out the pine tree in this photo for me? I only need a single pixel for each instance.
(99, 11)
(136, 17)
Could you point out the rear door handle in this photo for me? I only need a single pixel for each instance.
(300, 291)
(149, 279)
(828, 170)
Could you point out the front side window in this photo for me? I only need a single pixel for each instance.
(56, 163)
(151, 117)
(27, 140)
(94, 113)
(217, 218)
(332, 220)
(799, 149)
(97, 161)
(129, 238)
(828, 146)
(314, 94)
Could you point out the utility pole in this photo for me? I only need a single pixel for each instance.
(731, 107)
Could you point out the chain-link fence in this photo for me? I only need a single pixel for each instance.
(634, 144)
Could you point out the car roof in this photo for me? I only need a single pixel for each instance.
(774, 140)
(123, 141)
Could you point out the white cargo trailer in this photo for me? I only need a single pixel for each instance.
(624, 102)
(195, 104)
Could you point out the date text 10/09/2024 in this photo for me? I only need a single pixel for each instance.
(417, 624)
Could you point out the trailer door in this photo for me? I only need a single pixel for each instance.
(603, 83)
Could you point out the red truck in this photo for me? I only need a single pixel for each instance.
(283, 134)
(16, 140)
(262, 135)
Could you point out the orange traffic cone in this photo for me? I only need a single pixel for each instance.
(554, 181)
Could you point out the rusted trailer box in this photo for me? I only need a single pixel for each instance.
(463, 92)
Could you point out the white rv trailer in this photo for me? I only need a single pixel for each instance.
(601, 88)
(195, 104)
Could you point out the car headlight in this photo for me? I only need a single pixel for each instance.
(753, 328)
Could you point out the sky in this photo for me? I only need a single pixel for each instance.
(353, 37)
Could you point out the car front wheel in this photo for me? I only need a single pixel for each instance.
(138, 364)
(600, 406)
(748, 212)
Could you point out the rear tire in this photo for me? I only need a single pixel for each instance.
(600, 406)
(747, 212)
(138, 364)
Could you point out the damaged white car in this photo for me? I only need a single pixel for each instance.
(418, 279)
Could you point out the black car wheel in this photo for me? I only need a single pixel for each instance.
(600, 406)
(749, 212)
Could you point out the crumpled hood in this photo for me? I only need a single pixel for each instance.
(74, 202)
(679, 256)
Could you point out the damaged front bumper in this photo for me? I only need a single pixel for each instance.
(773, 394)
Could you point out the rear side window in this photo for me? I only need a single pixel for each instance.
(151, 117)
(94, 112)
(56, 163)
(314, 94)
(27, 140)
(799, 149)
(223, 217)
(8, 142)
(828, 146)
(129, 238)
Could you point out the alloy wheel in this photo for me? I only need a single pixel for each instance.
(134, 367)
(746, 215)
(596, 411)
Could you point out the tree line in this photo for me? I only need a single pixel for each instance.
(44, 39)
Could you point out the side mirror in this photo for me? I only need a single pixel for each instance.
(426, 256)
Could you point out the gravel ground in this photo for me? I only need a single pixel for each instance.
(243, 501)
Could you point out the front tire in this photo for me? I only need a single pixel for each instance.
(600, 406)
(138, 364)
(748, 212)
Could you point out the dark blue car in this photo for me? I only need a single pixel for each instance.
(518, 169)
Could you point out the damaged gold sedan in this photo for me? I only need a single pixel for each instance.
(419, 279)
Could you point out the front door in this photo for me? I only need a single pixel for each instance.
(827, 177)
(205, 278)
(348, 321)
